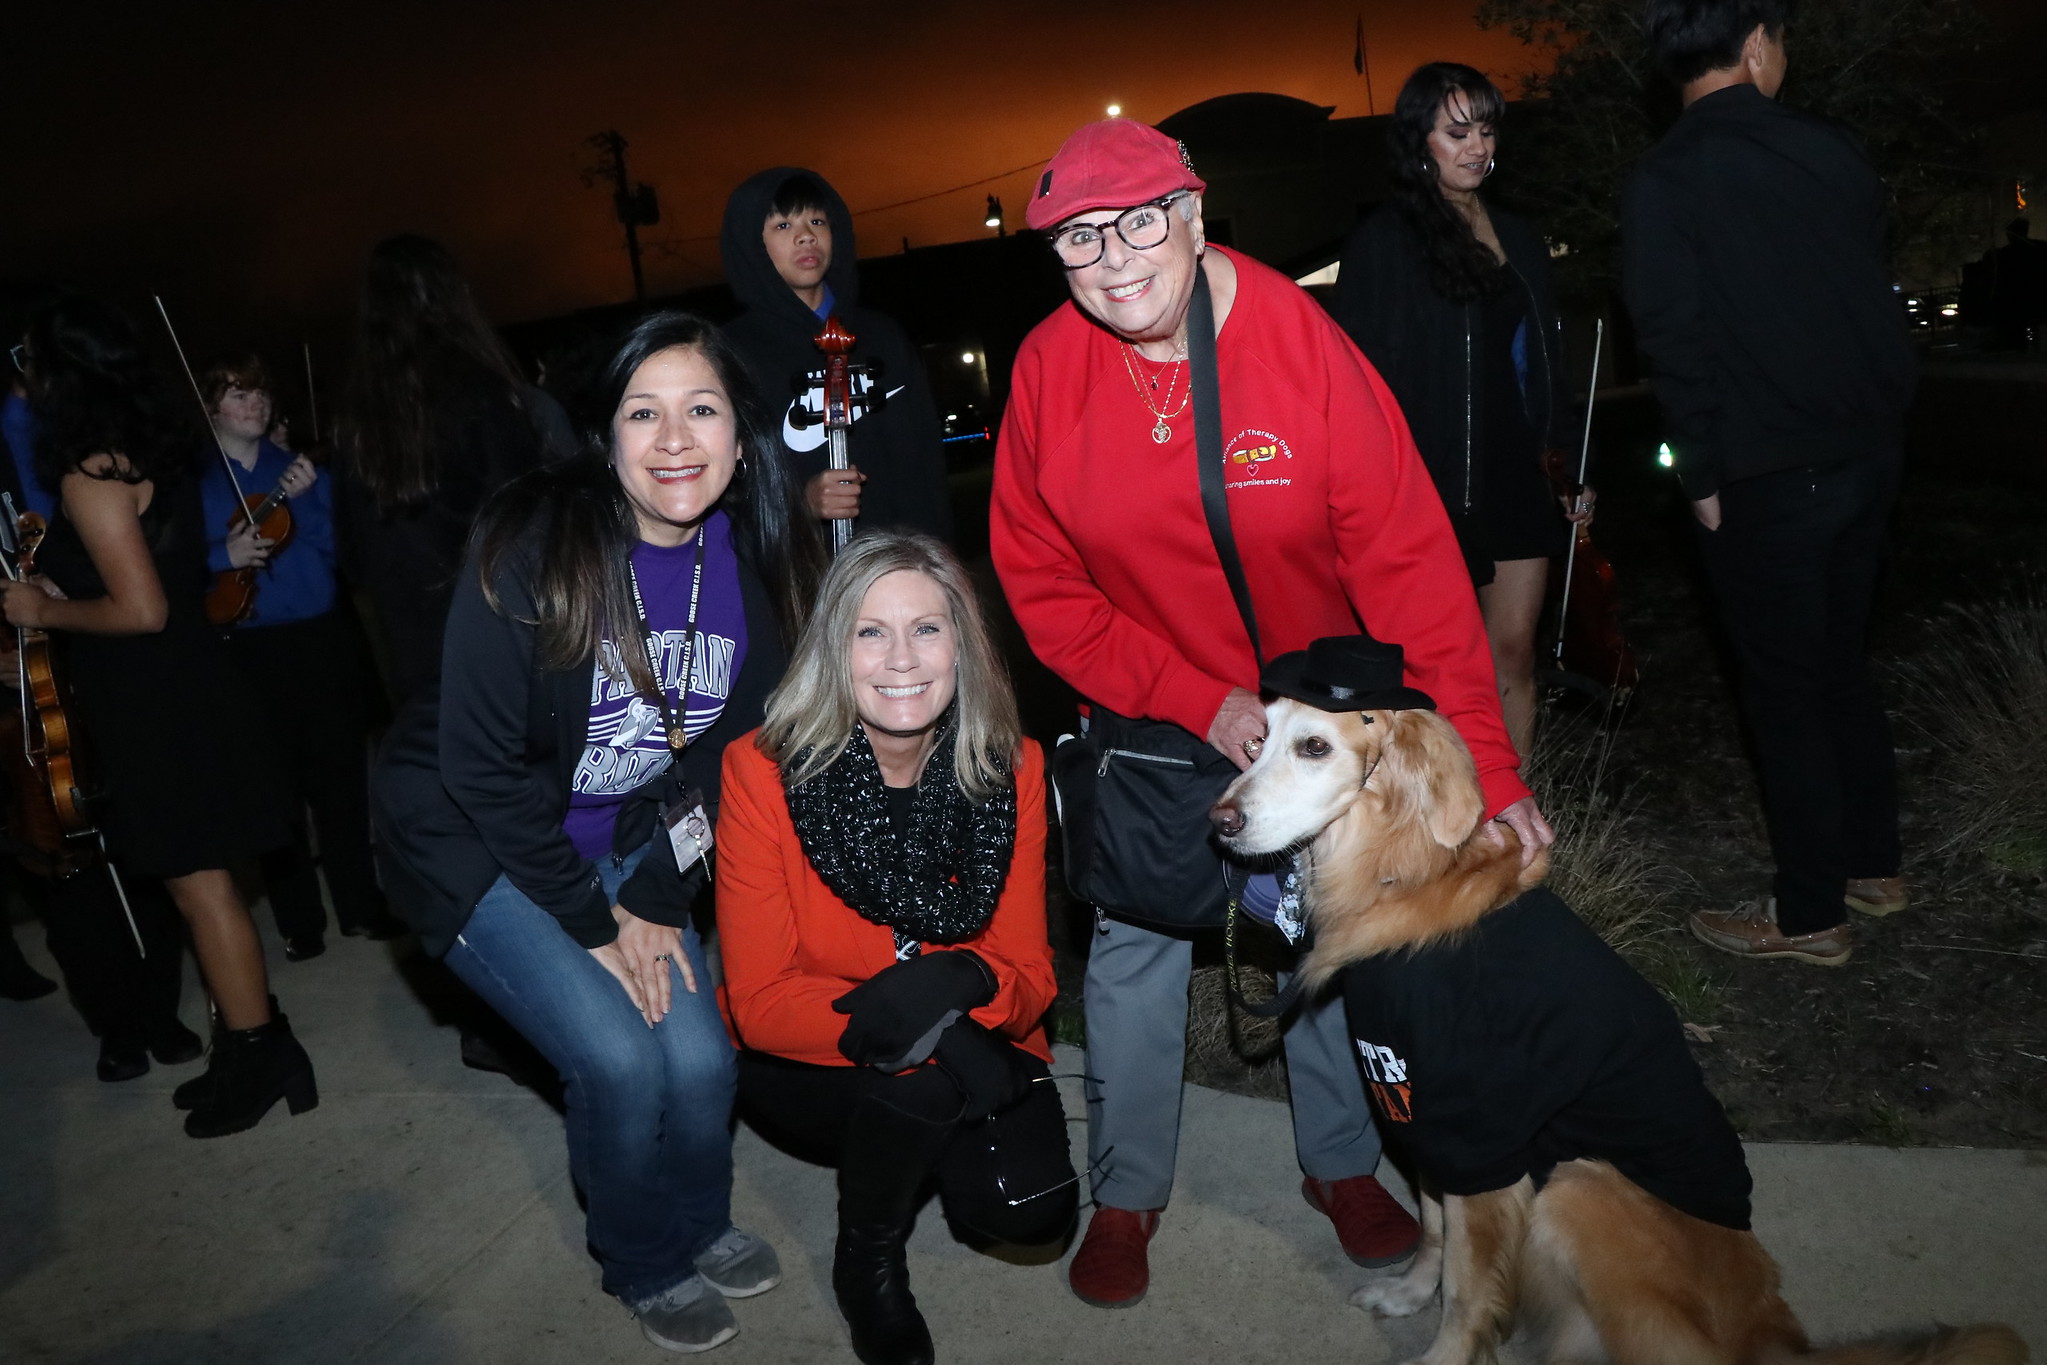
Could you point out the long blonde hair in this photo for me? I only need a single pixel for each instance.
(813, 709)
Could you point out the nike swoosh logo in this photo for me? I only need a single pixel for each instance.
(803, 439)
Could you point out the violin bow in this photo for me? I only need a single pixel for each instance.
(10, 542)
(1584, 463)
(312, 394)
(241, 498)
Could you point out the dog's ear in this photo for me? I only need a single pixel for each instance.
(1426, 761)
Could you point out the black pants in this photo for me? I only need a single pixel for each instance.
(315, 683)
(1008, 1179)
(1794, 565)
(123, 996)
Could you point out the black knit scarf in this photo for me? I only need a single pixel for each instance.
(937, 885)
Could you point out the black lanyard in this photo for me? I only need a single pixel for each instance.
(669, 720)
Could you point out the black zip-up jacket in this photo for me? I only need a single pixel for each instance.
(1755, 273)
(473, 780)
(898, 447)
(1425, 347)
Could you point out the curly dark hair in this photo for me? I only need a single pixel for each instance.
(1461, 268)
(93, 392)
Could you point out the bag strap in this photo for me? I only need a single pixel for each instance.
(1208, 450)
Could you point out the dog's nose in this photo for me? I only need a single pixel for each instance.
(1227, 819)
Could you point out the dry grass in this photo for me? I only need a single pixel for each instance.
(1601, 865)
(1977, 695)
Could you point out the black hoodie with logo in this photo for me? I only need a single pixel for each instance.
(896, 447)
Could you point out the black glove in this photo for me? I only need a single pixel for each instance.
(990, 1071)
(898, 1013)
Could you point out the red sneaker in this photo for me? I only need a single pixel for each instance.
(1370, 1223)
(1109, 1270)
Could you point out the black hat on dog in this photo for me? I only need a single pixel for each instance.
(1345, 673)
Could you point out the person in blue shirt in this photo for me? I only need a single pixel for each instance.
(302, 649)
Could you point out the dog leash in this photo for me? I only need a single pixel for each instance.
(1264, 1009)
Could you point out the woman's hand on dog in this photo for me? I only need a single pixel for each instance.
(1525, 818)
(1238, 730)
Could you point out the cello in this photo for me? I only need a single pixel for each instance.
(841, 397)
(1590, 652)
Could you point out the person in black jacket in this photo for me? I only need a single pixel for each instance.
(1450, 299)
(621, 617)
(1755, 272)
(788, 249)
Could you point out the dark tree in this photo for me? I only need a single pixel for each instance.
(1891, 71)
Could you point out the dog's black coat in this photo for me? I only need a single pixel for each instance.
(1525, 1042)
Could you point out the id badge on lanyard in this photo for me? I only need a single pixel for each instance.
(689, 831)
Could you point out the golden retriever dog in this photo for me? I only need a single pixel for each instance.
(1384, 813)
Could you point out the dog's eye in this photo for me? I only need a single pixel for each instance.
(1314, 746)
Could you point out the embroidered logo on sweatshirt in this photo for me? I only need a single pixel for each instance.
(1253, 460)
(1386, 1079)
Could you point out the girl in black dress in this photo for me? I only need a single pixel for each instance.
(1450, 299)
(181, 797)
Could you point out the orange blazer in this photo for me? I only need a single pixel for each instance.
(791, 947)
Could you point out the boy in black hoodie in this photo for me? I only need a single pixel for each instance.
(788, 248)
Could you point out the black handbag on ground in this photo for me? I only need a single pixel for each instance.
(1133, 795)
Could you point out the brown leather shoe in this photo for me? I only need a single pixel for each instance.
(1110, 1269)
(1370, 1223)
(1750, 930)
(1877, 895)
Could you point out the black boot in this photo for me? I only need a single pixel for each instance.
(122, 1058)
(171, 1043)
(193, 1093)
(872, 1282)
(893, 1140)
(18, 980)
(251, 1070)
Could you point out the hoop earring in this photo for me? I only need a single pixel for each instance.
(1490, 163)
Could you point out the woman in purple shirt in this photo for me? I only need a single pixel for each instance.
(622, 616)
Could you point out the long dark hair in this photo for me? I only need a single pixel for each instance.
(1461, 268)
(93, 392)
(418, 333)
(581, 593)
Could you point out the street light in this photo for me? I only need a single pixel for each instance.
(1115, 111)
(994, 218)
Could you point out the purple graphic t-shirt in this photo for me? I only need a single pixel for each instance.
(626, 743)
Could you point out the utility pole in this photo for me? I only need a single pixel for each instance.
(636, 205)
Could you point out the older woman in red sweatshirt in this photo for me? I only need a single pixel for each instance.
(881, 902)
(1098, 532)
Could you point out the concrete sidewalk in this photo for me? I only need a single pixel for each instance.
(423, 1213)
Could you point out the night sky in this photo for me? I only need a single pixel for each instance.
(241, 157)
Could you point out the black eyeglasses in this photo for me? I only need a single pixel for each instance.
(1080, 245)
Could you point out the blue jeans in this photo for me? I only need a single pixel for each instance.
(649, 1109)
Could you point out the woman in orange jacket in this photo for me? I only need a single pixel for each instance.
(881, 904)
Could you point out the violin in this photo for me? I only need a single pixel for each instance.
(1590, 649)
(232, 597)
(47, 821)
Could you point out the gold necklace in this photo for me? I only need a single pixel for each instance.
(1160, 432)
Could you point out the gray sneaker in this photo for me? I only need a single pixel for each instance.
(690, 1317)
(739, 1265)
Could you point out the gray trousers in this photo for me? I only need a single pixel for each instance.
(1136, 1002)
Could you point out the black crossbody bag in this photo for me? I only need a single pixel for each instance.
(1134, 794)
